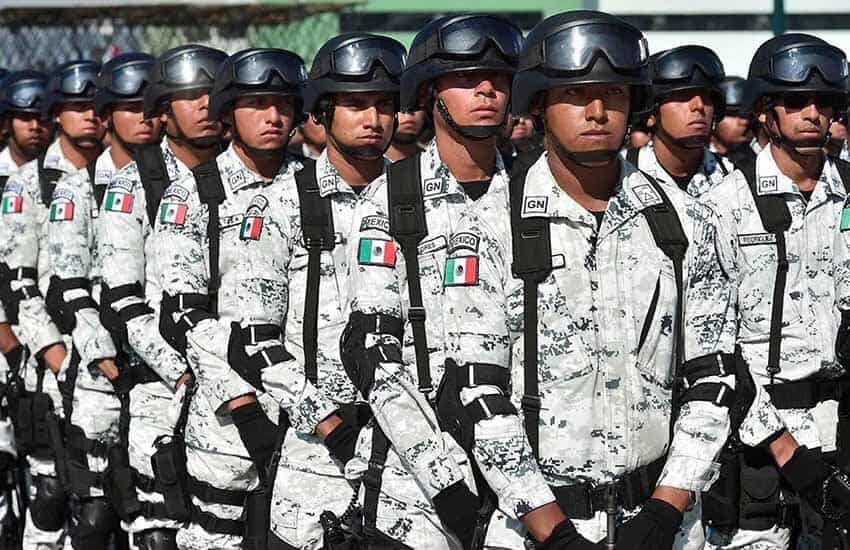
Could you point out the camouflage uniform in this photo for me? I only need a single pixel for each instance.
(810, 318)
(215, 452)
(709, 174)
(590, 356)
(308, 480)
(25, 224)
(125, 247)
(422, 460)
(72, 236)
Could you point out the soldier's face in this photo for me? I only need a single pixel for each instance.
(802, 118)
(130, 124)
(190, 110)
(363, 123)
(733, 130)
(474, 98)
(410, 125)
(264, 121)
(587, 117)
(687, 113)
(31, 132)
(80, 123)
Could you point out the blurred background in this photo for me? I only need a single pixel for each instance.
(43, 33)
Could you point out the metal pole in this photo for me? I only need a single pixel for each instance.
(778, 20)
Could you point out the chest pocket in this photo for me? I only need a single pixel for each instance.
(654, 319)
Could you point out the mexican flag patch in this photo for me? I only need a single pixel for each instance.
(845, 217)
(13, 204)
(62, 211)
(461, 271)
(376, 252)
(119, 202)
(173, 213)
(252, 227)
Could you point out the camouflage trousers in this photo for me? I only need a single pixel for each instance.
(96, 413)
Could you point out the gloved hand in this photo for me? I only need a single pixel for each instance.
(653, 528)
(457, 508)
(341, 442)
(565, 537)
(258, 434)
(6, 461)
(825, 488)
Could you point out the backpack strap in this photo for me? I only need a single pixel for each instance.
(318, 230)
(666, 228)
(632, 155)
(154, 176)
(211, 193)
(719, 161)
(97, 190)
(532, 263)
(843, 168)
(47, 178)
(3, 180)
(776, 219)
(408, 227)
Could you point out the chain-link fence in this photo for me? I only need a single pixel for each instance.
(45, 38)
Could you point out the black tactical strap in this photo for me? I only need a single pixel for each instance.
(109, 296)
(77, 440)
(632, 155)
(3, 180)
(583, 500)
(47, 178)
(719, 160)
(213, 524)
(211, 494)
(483, 374)
(408, 227)
(532, 263)
(98, 190)
(807, 393)
(717, 364)
(318, 230)
(843, 168)
(372, 481)
(180, 425)
(153, 175)
(776, 219)
(211, 193)
(255, 334)
(488, 406)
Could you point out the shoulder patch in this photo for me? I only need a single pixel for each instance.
(62, 193)
(176, 191)
(257, 205)
(465, 240)
(12, 203)
(61, 209)
(535, 204)
(381, 223)
(13, 187)
(434, 186)
(646, 194)
(767, 184)
(461, 271)
(173, 213)
(327, 184)
(120, 183)
(252, 228)
(432, 245)
(379, 252)
(117, 201)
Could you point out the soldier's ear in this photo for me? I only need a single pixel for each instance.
(650, 120)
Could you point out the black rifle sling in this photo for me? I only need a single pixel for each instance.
(211, 193)
(408, 227)
(47, 178)
(632, 154)
(97, 190)
(776, 219)
(318, 230)
(153, 175)
(843, 168)
(532, 263)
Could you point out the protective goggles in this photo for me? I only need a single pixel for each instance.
(260, 68)
(191, 67)
(25, 95)
(76, 79)
(577, 48)
(679, 64)
(795, 65)
(472, 36)
(129, 80)
(358, 58)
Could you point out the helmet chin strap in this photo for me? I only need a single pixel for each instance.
(362, 152)
(475, 133)
(805, 147)
(585, 159)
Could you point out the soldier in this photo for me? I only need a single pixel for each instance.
(205, 223)
(405, 143)
(617, 293)
(26, 205)
(131, 296)
(687, 104)
(734, 131)
(417, 483)
(782, 212)
(353, 91)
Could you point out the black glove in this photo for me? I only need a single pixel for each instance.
(342, 441)
(653, 528)
(258, 434)
(565, 537)
(123, 383)
(6, 461)
(457, 508)
(15, 358)
(825, 488)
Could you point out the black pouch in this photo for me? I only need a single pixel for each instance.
(760, 491)
(451, 413)
(24, 423)
(80, 478)
(42, 405)
(169, 470)
(720, 503)
(257, 519)
(119, 485)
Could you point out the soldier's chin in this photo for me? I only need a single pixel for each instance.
(404, 138)
(86, 142)
(365, 152)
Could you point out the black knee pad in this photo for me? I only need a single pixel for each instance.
(49, 507)
(96, 521)
(156, 539)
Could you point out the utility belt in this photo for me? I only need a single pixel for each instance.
(77, 448)
(253, 524)
(807, 393)
(584, 500)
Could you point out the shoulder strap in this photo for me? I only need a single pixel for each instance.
(532, 263)
(97, 190)
(632, 154)
(47, 178)
(776, 219)
(154, 176)
(211, 193)
(843, 172)
(666, 228)
(408, 227)
(719, 160)
(3, 180)
(318, 230)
